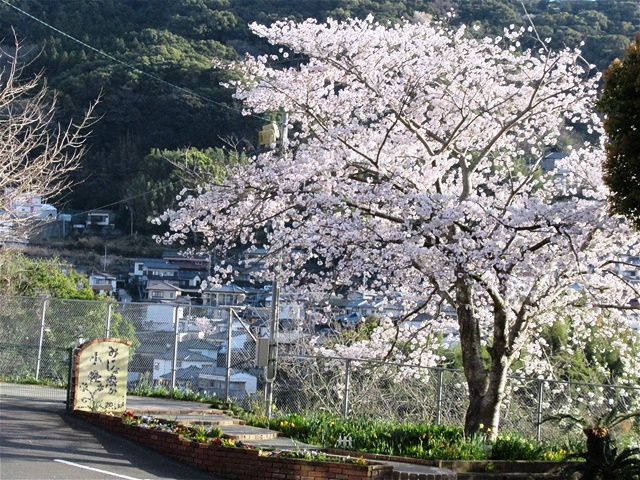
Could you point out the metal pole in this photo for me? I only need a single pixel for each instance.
(539, 410)
(41, 339)
(272, 362)
(439, 384)
(284, 126)
(347, 381)
(176, 334)
(70, 351)
(107, 329)
(227, 383)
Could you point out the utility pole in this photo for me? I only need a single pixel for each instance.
(274, 324)
(272, 362)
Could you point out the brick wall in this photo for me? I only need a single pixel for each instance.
(236, 463)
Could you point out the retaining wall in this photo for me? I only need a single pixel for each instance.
(236, 463)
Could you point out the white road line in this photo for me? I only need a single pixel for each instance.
(95, 470)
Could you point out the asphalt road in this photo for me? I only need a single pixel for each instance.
(39, 440)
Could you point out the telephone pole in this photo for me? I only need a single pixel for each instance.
(274, 323)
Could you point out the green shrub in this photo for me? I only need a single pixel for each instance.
(514, 447)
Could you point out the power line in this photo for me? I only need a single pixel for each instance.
(121, 62)
(124, 200)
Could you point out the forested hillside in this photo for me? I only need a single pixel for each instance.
(150, 62)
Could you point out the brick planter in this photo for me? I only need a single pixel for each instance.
(478, 469)
(236, 463)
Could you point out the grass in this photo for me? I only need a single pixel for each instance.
(371, 435)
(31, 380)
(417, 440)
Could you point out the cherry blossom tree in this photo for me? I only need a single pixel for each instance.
(413, 170)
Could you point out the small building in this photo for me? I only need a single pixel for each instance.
(103, 283)
(549, 164)
(32, 207)
(155, 269)
(186, 358)
(224, 296)
(185, 377)
(163, 291)
(200, 263)
(213, 380)
(99, 218)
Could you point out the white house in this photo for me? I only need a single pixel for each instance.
(162, 291)
(32, 207)
(103, 283)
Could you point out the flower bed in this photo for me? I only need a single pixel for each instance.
(246, 463)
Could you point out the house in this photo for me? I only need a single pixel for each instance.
(239, 337)
(189, 280)
(155, 269)
(99, 218)
(224, 296)
(629, 268)
(100, 221)
(157, 343)
(549, 164)
(163, 291)
(202, 346)
(31, 206)
(185, 378)
(358, 308)
(250, 263)
(103, 283)
(184, 273)
(199, 263)
(213, 380)
(289, 311)
(185, 358)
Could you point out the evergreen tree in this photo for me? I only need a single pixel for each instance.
(620, 102)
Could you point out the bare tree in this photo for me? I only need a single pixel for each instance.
(36, 154)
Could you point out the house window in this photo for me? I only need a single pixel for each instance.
(156, 295)
(156, 366)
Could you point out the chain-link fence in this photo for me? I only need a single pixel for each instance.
(176, 346)
(187, 347)
(307, 384)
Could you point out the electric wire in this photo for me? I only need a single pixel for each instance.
(131, 67)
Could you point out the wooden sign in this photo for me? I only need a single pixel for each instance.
(99, 375)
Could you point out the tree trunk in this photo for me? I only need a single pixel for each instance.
(486, 385)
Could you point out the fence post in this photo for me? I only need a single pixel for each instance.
(227, 381)
(176, 334)
(70, 351)
(539, 410)
(41, 339)
(439, 383)
(107, 328)
(347, 381)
